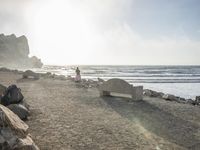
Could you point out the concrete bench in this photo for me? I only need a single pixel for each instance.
(29, 73)
(122, 87)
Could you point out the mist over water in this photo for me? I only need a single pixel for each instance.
(179, 80)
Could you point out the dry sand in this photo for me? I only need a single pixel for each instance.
(65, 116)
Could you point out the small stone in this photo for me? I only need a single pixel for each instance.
(152, 93)
(170, 97)
(100, 80)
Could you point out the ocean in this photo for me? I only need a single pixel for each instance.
(181, 81)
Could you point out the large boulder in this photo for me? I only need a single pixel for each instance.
(30, 74)
(21, 111)
(12, 95)
(13, 121)
(13, 132)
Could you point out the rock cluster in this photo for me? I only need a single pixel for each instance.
(18, 106)
(85, 83)
(170, 97)
(14, 132)
(3, 69)
(14, 52)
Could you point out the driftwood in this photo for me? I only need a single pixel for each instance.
(121, 86)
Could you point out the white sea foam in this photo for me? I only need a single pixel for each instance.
(182, 81)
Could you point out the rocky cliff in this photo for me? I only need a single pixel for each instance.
(14, 52)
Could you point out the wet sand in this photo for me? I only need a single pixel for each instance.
(65, 116)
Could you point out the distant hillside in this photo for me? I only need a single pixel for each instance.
(14, 52)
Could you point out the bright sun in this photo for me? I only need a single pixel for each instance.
(63, 32)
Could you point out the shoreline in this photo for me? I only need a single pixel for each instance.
(69, 115)
(90, 83)
(185, 89)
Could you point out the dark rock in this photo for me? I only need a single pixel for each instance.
(197, 100)
(3, 144)
(2, 141)
(30, 74)
(100, 80)
(21, 111)
(9, 136)
(53, 76)
(3, 69)
(181, 100)
(2, 89)
(190, 101)
(152, 93)
(12, 95)
(147, 92)
(170, 97)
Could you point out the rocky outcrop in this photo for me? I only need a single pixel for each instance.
(36, 62)
(14, 52)
(170, 97)
(14, 132)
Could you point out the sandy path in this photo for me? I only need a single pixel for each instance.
(67, 117)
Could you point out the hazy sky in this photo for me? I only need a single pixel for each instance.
(134, 32)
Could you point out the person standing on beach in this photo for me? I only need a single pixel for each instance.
(78, 75)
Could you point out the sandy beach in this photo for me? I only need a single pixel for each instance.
(66, 116)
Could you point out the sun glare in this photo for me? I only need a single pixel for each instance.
(64, 28)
